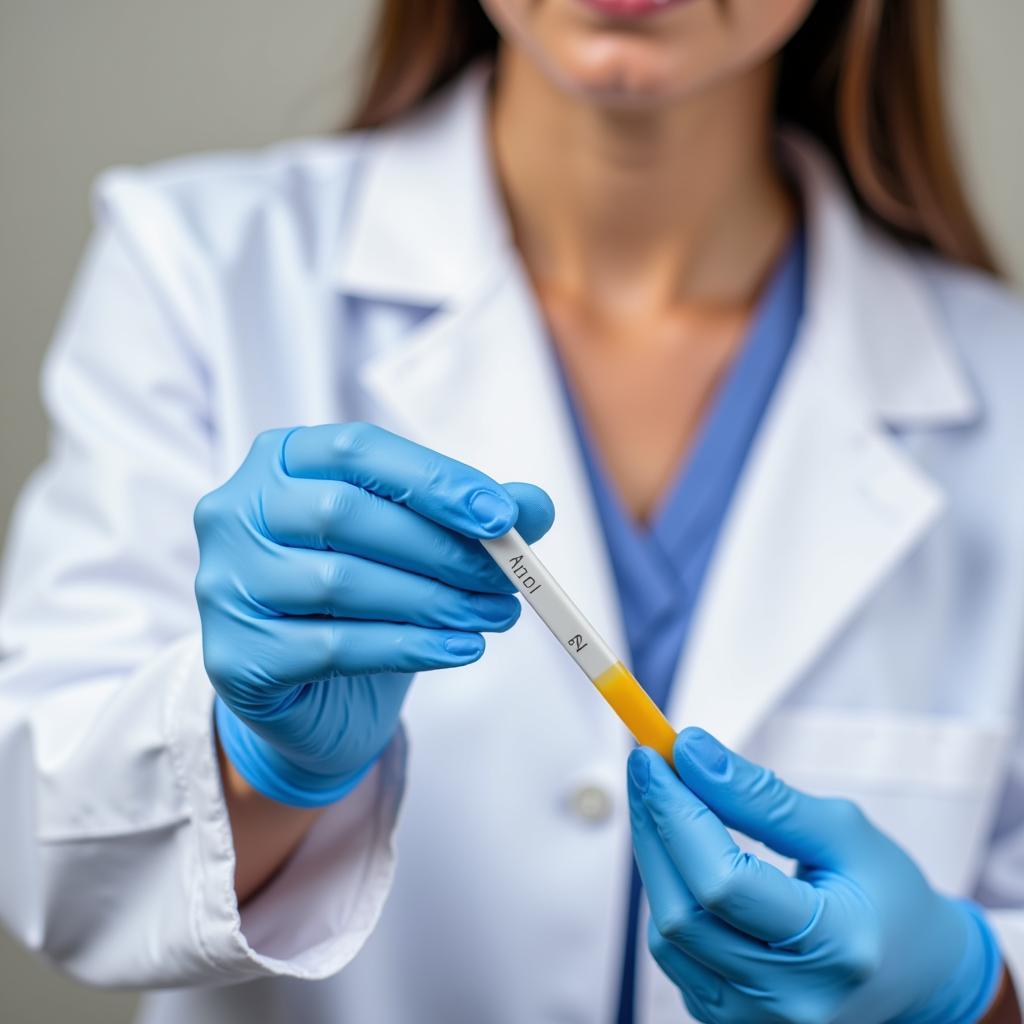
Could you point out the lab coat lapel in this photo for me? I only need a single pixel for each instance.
(829, 504)
(476, 378)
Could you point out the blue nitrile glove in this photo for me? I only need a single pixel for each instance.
(334, 564)
(858, 937)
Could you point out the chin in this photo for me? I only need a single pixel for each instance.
(651, 61)
(625, 73)
(629, 74)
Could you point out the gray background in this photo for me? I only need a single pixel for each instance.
(88, 83)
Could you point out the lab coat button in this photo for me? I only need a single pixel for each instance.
(592, 803)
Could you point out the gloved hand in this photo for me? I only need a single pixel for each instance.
(858, 937)
(338, 561)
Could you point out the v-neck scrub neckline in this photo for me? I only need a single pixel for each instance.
(659, 566)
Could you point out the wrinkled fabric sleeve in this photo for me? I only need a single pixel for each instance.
(117, 861)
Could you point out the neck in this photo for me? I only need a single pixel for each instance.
(683, 204)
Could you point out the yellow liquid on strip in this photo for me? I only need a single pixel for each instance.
(632, 703)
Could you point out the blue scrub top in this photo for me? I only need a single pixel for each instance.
(659, 566)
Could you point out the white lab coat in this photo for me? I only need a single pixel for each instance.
(861, 629)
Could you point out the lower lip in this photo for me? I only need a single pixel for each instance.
(632, 8)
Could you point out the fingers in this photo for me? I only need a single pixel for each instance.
(297, 581)
(441, 489)
(342, 517)
(745, 796)
(297, 651)
(325, 514)
(736, 887)
(703, 991)
(676, 916)
(536, 511)
(712, 998)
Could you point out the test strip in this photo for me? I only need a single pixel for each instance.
(603, 668)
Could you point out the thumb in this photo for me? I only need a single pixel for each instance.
(752, 799)
(536, 510)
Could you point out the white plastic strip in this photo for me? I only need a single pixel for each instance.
(517, 561)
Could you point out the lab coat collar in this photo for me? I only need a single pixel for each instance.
(884, 324)
(429, 221)
(828, 504)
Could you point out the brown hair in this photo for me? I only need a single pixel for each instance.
(862, 76)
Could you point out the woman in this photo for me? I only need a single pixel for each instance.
(702, 274)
